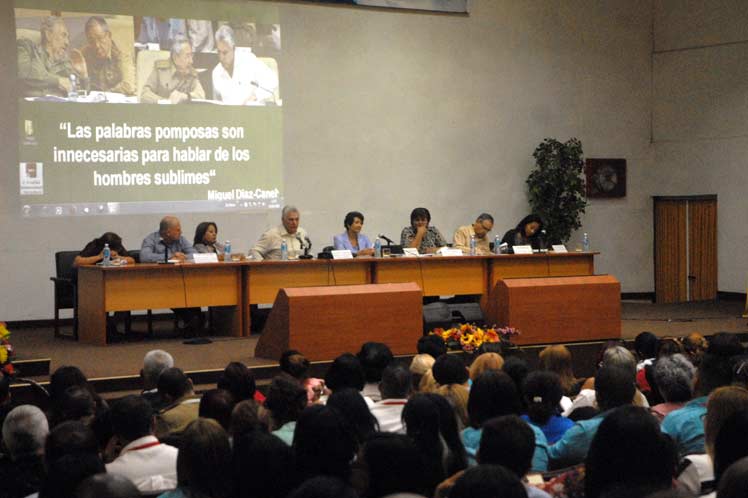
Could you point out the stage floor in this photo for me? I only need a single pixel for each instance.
(125, 358)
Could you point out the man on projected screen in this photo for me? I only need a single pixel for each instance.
(174, 80)
(110, 69)
(169, 237)
(240, 78)
(46, 69)
(269, 245)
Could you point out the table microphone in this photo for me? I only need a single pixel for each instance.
(272, 93)
(166, 252)
(306, 247)
(389, 240)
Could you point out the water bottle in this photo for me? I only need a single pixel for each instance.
(378, 248)
(473, 247)
(107, 256)
(496, 244)
(284, 250)
(73, 93)
(227, 251)
(586, 242)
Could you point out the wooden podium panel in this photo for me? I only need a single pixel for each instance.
(558, 309)
(570, 264)
(324, 322)
(437, 276)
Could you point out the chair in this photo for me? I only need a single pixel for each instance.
(66, 289)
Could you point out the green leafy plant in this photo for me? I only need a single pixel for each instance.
(556, 187)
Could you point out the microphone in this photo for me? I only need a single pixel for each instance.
(308, 244)
(389, 240)
(306, 247)
(256, 84)
(166, 251)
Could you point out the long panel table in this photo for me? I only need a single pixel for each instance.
(240, 284)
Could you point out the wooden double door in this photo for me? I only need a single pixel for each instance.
(685, 235)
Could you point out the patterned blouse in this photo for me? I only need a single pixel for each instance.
(432, 238)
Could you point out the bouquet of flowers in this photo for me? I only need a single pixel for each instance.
(469, 337)
(6, 351)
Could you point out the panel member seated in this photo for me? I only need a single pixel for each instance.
(169, 236)
(269, 245)
(483, 224)
(352, 239)
(94, 251)
(110, 68)
(206, 235)
(420, 235)
(174, 79)
(527, 232)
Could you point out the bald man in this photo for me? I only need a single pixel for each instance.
(169, 237)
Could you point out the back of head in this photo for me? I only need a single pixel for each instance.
(734, 481)
(324, 487)
(620, 357)
(397, 382)
(449, 369)
(450, 422)
(391, 461)
(730, 443)
(25, 430)
(285, 400)
(238, 380)
(217, 404)
(725, 344)
(715, 370)
(173, 384)
(507, 441)
(294, 364)
(457, 396)
(323, 443)
(107, 486)
(204, 460)
(516, 368)
(486, 361)
(132, 418)
(542, 392)
(245, 418)
(374, 357)
(155, 362)
(488, 481)
(614, 386)
(76, 403)
(557, 359)
(63, 378)
(723, 402)
(263, 465)
(70, 438)
(645, 345)
(345, 371)
(629, 449)
(493, 394)
(674, 377)
(422, 418)
(67, 472)
(352, 408)
(432, 345)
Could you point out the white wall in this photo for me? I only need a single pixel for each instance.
(385, 111)
(700, 116)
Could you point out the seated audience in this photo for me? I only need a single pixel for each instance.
(248, 417)
(495, 394)
(449, 431)
(421, 417)
(182, 405)
(734, 481)
(542, 392)
(450, 369)
(374, 357)
(203, 462)
(24, 432)
(323, 444)
(63, 378)
(518, 369)
(148, 463)
(629, 451)
(484, 362)
(731, 443)
(557, 359)
(432, 345)
(352, 408)
(106, 486)
(673, 376)
(614, 387)
(646, 345)
(70, 455)
(286, 400)
(457, 395)
(239, 380)
(352, 239)
(488, 481)
(263, 466)
(695, 345)
(419, 235)
(76, 403)
(391, 461)
(296, 365)
(205, 241)
(419, 366)
(346, 371)
(154, 362)
(395, 388)
(217, 404)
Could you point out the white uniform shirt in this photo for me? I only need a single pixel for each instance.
(149, 464)
(237, 88)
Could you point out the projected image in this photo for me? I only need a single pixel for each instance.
(181, 114)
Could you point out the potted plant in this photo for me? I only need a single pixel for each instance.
(556, 187)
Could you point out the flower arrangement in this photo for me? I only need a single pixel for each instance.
(469, 337)
(6, 351)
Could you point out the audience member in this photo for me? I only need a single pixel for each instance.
(324, 486)
(432, 345)
(239, 380)
(646, 345)
(449, 430)
(629, 449)
(495, 394)
(421, 417)
(346, 371)
(374, 357)
(395, 388)
(518, 369)
(352, 408)
(296, 365)
(449, 369)
(203, 462)
(217, 404)
(673, 376)
(246, 418)
(76, 403)
(107, 486)
(731, 443)
(695, 345)
(734, 481)
(557, 359)
(263, 466)
(457, 395)
(488, 481)
(392, 461)
(63, 378)
(70, 456)
(182, 405)
(485, 361)
(154, 362)
(614, 387)
(25, 430)
(323, 444)
(286, 400)
(148, 463)
(542, 392)
(420, 365)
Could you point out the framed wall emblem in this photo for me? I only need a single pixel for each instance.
(605, 178)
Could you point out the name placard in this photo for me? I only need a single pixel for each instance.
(411, 252)
(523, 249)
(559, 248)
(449, 251)
(342, 254)
(208, 257)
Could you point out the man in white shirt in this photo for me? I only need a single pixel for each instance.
(269, 245)
(148, 463)
(395, 388)
(240, 78)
